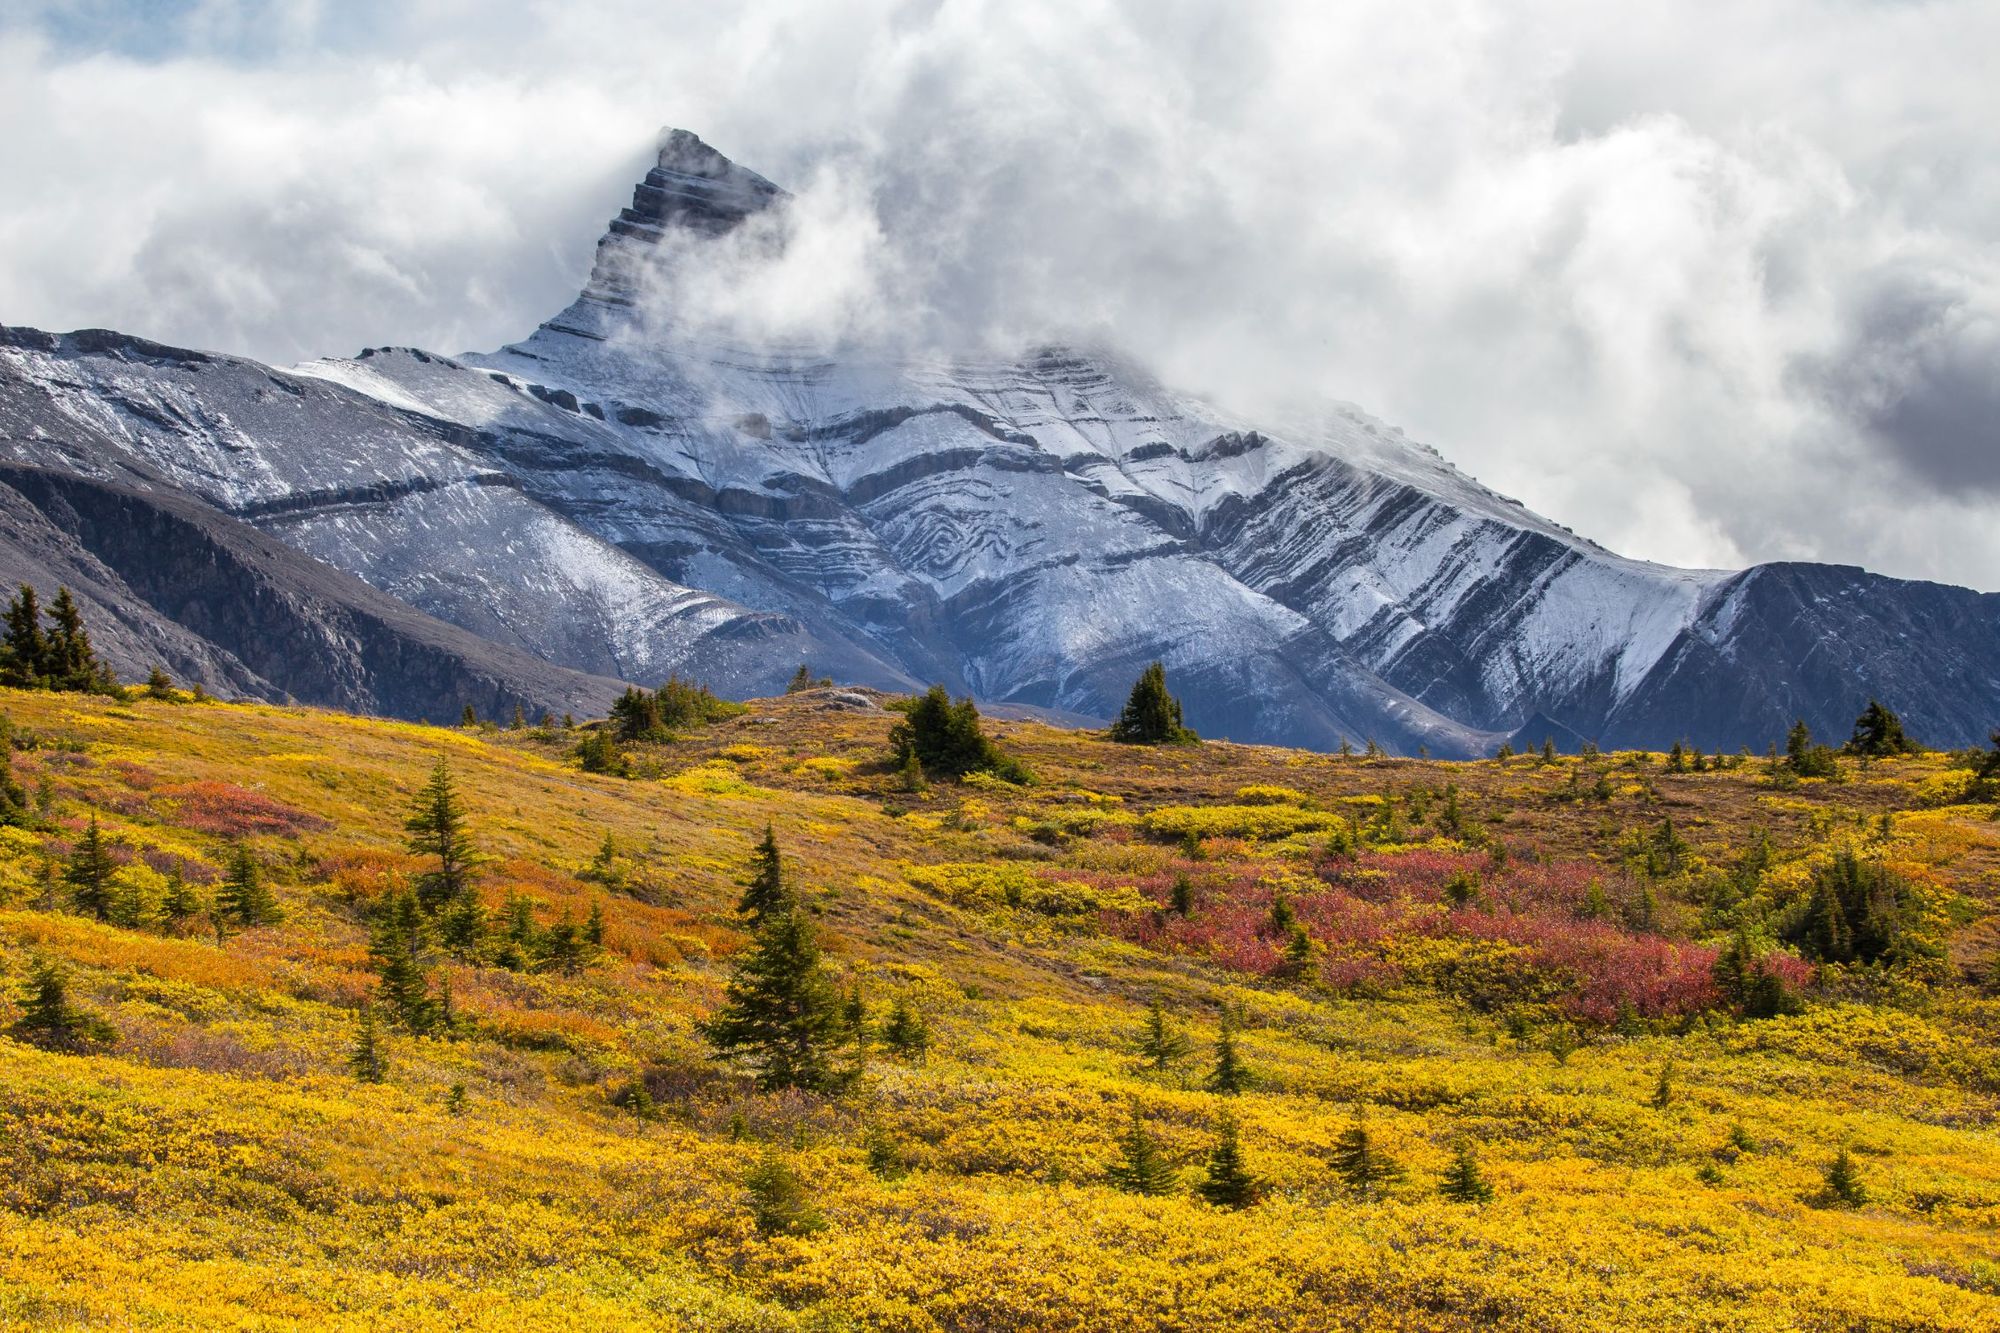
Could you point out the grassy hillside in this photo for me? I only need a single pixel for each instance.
(1512, 959)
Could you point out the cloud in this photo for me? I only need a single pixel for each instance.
(1706, 282)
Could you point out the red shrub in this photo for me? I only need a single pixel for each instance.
(230, 811)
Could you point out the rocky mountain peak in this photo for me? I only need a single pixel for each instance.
(695, 187)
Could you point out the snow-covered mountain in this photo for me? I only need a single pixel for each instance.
(627, 493)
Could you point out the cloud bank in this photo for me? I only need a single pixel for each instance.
(1710, 283)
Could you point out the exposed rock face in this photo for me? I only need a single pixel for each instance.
(627, 495)
(167, 580)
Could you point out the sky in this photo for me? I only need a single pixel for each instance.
(1710, 283)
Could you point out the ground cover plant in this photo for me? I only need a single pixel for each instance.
(338, 1022)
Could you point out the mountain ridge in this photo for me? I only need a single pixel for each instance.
(627, 492)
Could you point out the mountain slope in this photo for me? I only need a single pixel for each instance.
(165, 580)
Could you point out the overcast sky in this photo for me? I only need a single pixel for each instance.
(1711, 283)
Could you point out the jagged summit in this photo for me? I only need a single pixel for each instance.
(693, 186)
(691, 190)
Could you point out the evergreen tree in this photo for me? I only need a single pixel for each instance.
(1804, 758)
(1229, 1076)
(1151, 715)
(436, 827)
(520, 941)
(854, 1016)
(1463, 1181)
(180, 902)
(1452, 821)
(593, 928)
(1161, 1045)
(904, 1032)
(1596, 903)
(70, 663)
(1144, 1168)
(781, 1012)
(25, 663)
(398, 944)
(635, 716)
(1858, 912)
(1663, 1088)
(461, 926)
(563, 948)
(1986, 778)
(15, 811)
(885, 1156)
(520, 722)
(801, 681)
(159, 685)
(366, 1059)
(684, 703)
(779, 1203)
(764, 893)
(1229, 1183)
(1182, 900)
(1301, 954)
(598, 752)
(48, 1016)
(1361, 1162)
(89, 872)
(1878, 734)
(244, 896)
(948, 740)
(1843, 1181)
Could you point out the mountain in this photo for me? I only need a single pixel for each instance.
(627, 492)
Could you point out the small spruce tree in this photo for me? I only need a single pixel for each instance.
(1182, 898)
(1463, 1181)
(781, 1012)
(25, 661)
(179, 903)
(1143, 1168)
(1229, 1183)
(366, 1060)
(437, 828)
(904, 1032)
(1879, 734)
(1151, 715)
(1361, 1162)
(399, 945)
(779, 1202)
(89, 872)
(1843, 1181)
(1229, 1076)
(948, 740)
(50, 1018)
(1663, 1088)
(244, 897)
(764, 893)
(1161, 1046)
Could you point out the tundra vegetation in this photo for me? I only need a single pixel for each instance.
(816, 1014)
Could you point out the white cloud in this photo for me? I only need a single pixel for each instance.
(1707, 282)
